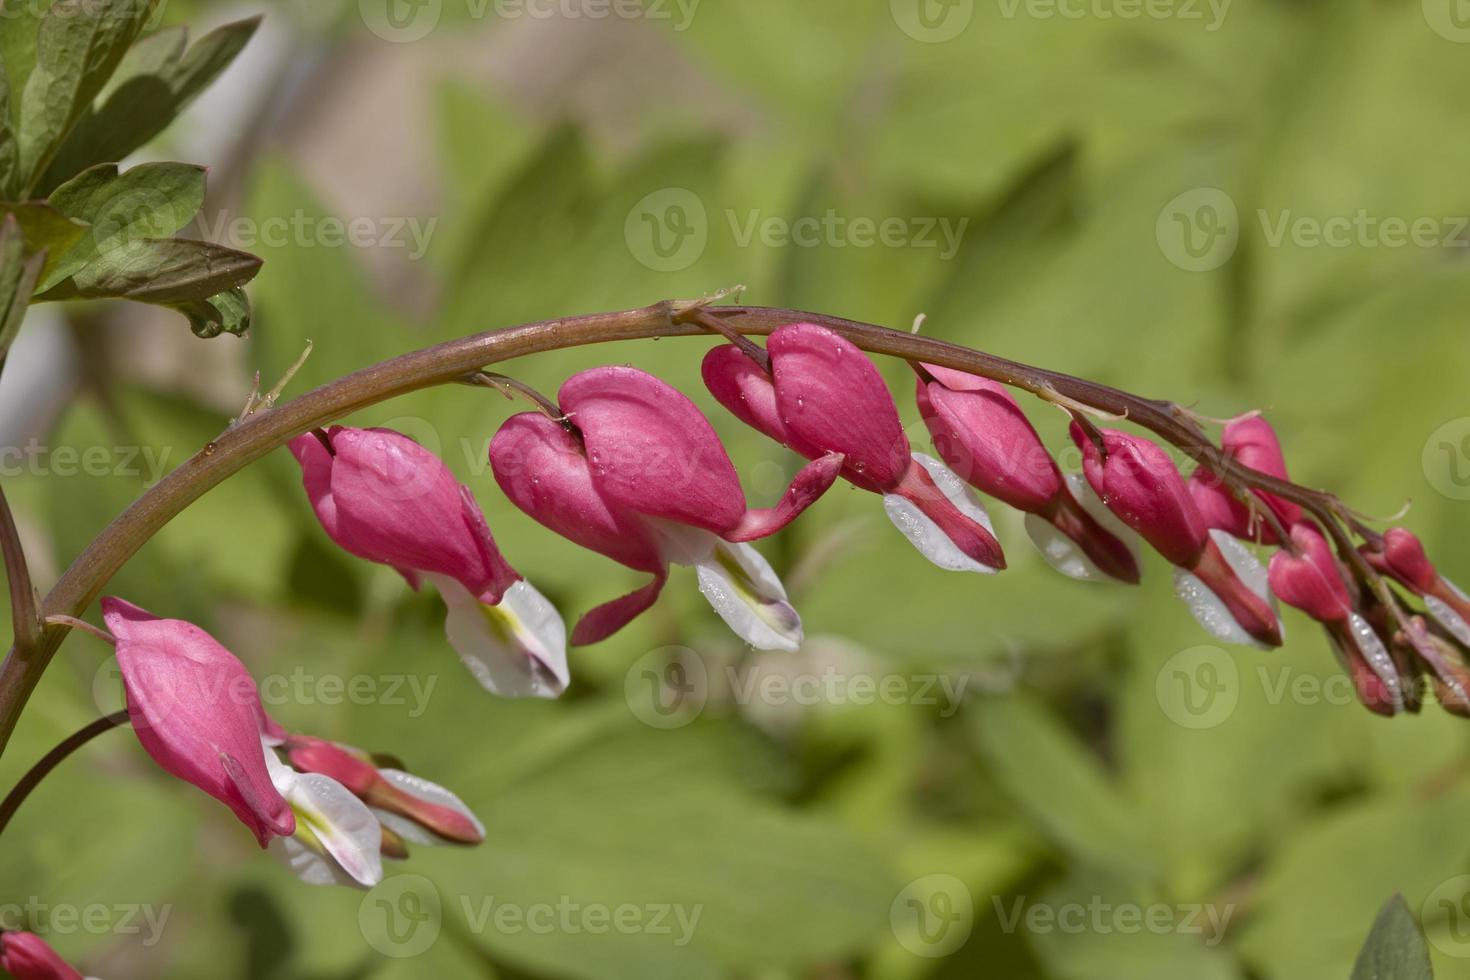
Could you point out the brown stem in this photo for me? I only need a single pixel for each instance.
(450, 362)
(26, 622)
(53, 759)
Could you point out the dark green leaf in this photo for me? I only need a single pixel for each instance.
(151, 201)
(1396, 949)
(168, 272)
(79, 45)
(153, 84)
(9, 148)
(228, 312)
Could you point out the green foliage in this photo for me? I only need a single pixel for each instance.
(1395, 949)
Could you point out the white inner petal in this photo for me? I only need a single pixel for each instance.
(329, 815)
(416, 786)
(741, 586)
(924, 534)
(515, 649)
(1060, 551)
(1094, 506)
(1209, 611)
(1378, 659)
(308, 864)
(1445, 615)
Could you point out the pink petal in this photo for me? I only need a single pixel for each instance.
(605, 620)
(652, 450)
(26, 956)
(1139, 482)
(983, 435)
(814, 480)
(743, 387)
(542, 469)
(833, 398)
(196, 711)
(977, 543)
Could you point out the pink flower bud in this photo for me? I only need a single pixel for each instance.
(1404, 558)
(1253, 443)
(824, 395)
(196, 711)
(1139, 482)
(26, 956)
(1311, 580)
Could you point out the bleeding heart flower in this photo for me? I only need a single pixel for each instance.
(411, 807)
(643, 479)
(338, 840)
(196, 711)
(1251, 442)
(1309, 577)
(1401, 555)
(383, 497)
(986, 439)
(26, 956)
(1221, 582)
(823, 395)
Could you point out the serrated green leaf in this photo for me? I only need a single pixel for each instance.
(79, 45)
(150, 201)
(155, 82)
(1396, 949)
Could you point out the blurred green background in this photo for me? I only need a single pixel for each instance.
(1133, 198)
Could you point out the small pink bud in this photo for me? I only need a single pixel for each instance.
(1138, 482)
(1311, 580)
(26, 956)
(1253, 443)
(1404, 558)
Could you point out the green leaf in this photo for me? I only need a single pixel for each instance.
(1065, 792)
(45, 229)
(18, 275)
(9, 148)
(155, 82)
(166, 272)
(1396, 949)
(79, 45)
(151, 201)
(226, 312)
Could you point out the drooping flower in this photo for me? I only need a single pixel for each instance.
(985, 438)
(26, 956)
(409, 806)
(639, 475)
(1251, 442)
(338, 840)
(1309, 577)
(1221, 582)
(823, 395)
(196, 711)
(383, 497)
(1401, 555)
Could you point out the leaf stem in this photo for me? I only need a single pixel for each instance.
(51, 760)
